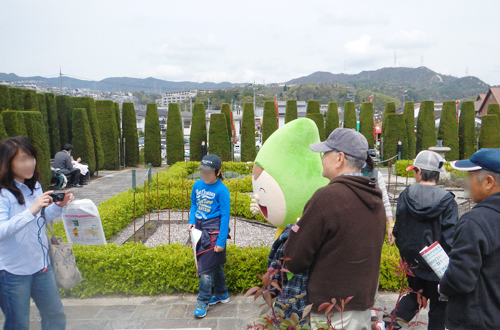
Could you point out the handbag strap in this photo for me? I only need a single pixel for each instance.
(52, 239)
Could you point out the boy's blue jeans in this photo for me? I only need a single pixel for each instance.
(15, 293)
(214, 277)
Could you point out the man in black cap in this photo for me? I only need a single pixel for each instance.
(340, 234)
(472, 281)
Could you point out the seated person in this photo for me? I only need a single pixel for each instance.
(84, 168)
(62, 160)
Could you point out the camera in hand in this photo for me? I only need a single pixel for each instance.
(57, 197)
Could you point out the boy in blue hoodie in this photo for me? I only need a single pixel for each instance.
(210, 206)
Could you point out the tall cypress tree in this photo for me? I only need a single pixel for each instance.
(109, 133)
(390, 107)
(226, 110)
(332, 118)
(489, 136)
(198, 132)
(350, 120)
(319, 120)
(426, 131)
(119, 127)
(366, 126)
(55, 142)
(217, 136)
(82, 138)
(152, 136)
(130, 136)
(4, 98)
(290, 111)
(312, 107)
(448, 131)
(467, 130)
(14, 123)
(493, 109)
(63, 107)
(409, 112)
(175, 135)
(36, 134)
(3, 132)
(269, 120)
(16, 99)
(30, 100)
(395, 131)
(248, 152)
(42, 105)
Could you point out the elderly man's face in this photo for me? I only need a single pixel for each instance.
(332, 163)
(478, 189)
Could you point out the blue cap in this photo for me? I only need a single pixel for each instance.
(484, 159)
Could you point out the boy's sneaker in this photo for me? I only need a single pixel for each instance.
(201, 310)
(223, 300)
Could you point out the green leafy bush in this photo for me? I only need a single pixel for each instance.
(312, 107)
(55, 143)
(217, 136)
(366, 126)
(14, 123)
(290, 110)
(269, 120)
(4, 98)
(350, 120)
(426, 131)
(489, 137)
(3, 133)
(63, 107)
(82, 139)
(467, 130)
(106, 117)
(448, 130)
(175, 136)
(332, 118)
(409, 113)
(198, 132)
(129, 126)
(16, 99)
(248, 151)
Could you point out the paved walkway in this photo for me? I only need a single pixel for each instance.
(158, 312)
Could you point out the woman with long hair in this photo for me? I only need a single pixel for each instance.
(25, 268)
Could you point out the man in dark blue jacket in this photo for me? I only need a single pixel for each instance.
(425, 214)
(472, 280)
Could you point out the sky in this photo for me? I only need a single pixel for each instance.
(242, 41)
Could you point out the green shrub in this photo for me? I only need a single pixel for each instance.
(467, 130)
(152, 136)
(198, 132)
(426, 131)
(3, 132)
(494, 109)
(448, 131)
(217, 136)
(409, 112)
(36, 134)
(4, 98)
(290, 110)
(63, 107)
(320, 123)
(332, 118)
(269, 120)
(175, 135)
(401, 166)
(119, 129)
(14, 123)
(395, 130)
(130, 137)
(42, 105)
(247, 143)
(312, 107)
(30, 100)
(350, 120)
(390, 107)
(489, 137)
(53, 120)
(82, 139)
(105, 110)
(366, 126)
(226, 110)
(16, 99)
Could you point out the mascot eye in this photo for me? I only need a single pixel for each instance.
(262, 189)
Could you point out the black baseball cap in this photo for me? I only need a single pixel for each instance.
(210, 162)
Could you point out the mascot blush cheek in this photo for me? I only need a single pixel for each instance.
(269, 196)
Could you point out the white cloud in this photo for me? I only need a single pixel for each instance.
(356, 18)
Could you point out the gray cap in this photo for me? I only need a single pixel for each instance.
(428, 160)
(344, 140)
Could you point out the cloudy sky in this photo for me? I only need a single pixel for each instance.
(239, 41)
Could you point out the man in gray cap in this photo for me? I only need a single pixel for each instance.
(425, 214)
(340, 235)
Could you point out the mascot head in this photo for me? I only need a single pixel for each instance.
(287, 173)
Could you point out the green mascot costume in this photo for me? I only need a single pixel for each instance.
(286, 173)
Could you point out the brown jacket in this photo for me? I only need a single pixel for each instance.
(339, 240)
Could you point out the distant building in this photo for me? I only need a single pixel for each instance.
(178, 97)
(491, 97)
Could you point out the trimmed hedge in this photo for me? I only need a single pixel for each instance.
(175, 135)
(16, 99)
(409, 112)
(332, 118)
(390, 107)
(350, 120)
(14, 123)
(320, 123)
(96, 132)
(42, 105)
(448, 130)
(30, 100)
(312, 107)
(247, 143)
(152, 136)
(55, 142)
(493, 109)
(226, 110)
(130, 136)
(198, 132)
(269, 120)
(82, 138)
(4, 98)
(467, 130)
(3, 132)
(217, 136)
(366, 125)
(119, 130)
(290, 111)
(36, 134)
(63, 106)
(109, 133)
(395, 130)
(426, 131)
(489, 137)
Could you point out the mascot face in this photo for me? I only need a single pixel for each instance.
(269, 196)
(287, 173)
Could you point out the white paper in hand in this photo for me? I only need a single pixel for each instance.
(195, 237)
(82, 223)
(437, 259)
